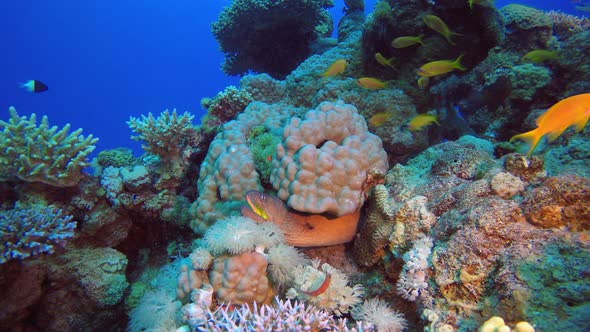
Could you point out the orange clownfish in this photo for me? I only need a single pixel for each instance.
(571, 111)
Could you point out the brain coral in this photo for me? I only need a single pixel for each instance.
(323, 162)
(269, 36)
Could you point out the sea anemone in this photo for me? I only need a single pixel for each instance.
(236, 235)
(378, 312)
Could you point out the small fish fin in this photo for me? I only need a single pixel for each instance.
(551, 136)
(581, 124)
(435, 120)
(531, 137)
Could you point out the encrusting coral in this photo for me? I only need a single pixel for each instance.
(40, 153)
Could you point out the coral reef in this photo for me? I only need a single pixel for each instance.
(269, 36)
(459, 230)
(228, 170)
(40, 153)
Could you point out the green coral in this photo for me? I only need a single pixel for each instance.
(524, 17)
(526, 79)
(263, 147)
(40, 153)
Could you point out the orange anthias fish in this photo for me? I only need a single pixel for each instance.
(435, 23)
(422, 120)
(571, 111)
(336, 68)
(379, 119)
(371, 83)
(440, 67)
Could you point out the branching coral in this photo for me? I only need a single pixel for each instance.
(164, 136)
(42, 153)
(268, 36)
(285, 316)
(30, 231)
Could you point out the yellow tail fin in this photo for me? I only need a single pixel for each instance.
(531, 137)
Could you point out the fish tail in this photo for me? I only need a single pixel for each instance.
(419, 39)
(457, 63)
(531, 137)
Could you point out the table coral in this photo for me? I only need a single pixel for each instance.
(40, 153)
(324, 160)
(269, 36)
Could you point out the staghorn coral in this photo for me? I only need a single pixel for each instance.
(324, 162)
(269, 36)
(39, 153)
(286, 315)
(29, 231)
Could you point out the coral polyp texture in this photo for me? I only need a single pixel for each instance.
(269, 36)
(324, 160)
(40, 153)
(30, 231)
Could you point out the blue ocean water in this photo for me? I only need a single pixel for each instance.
(107, 60)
